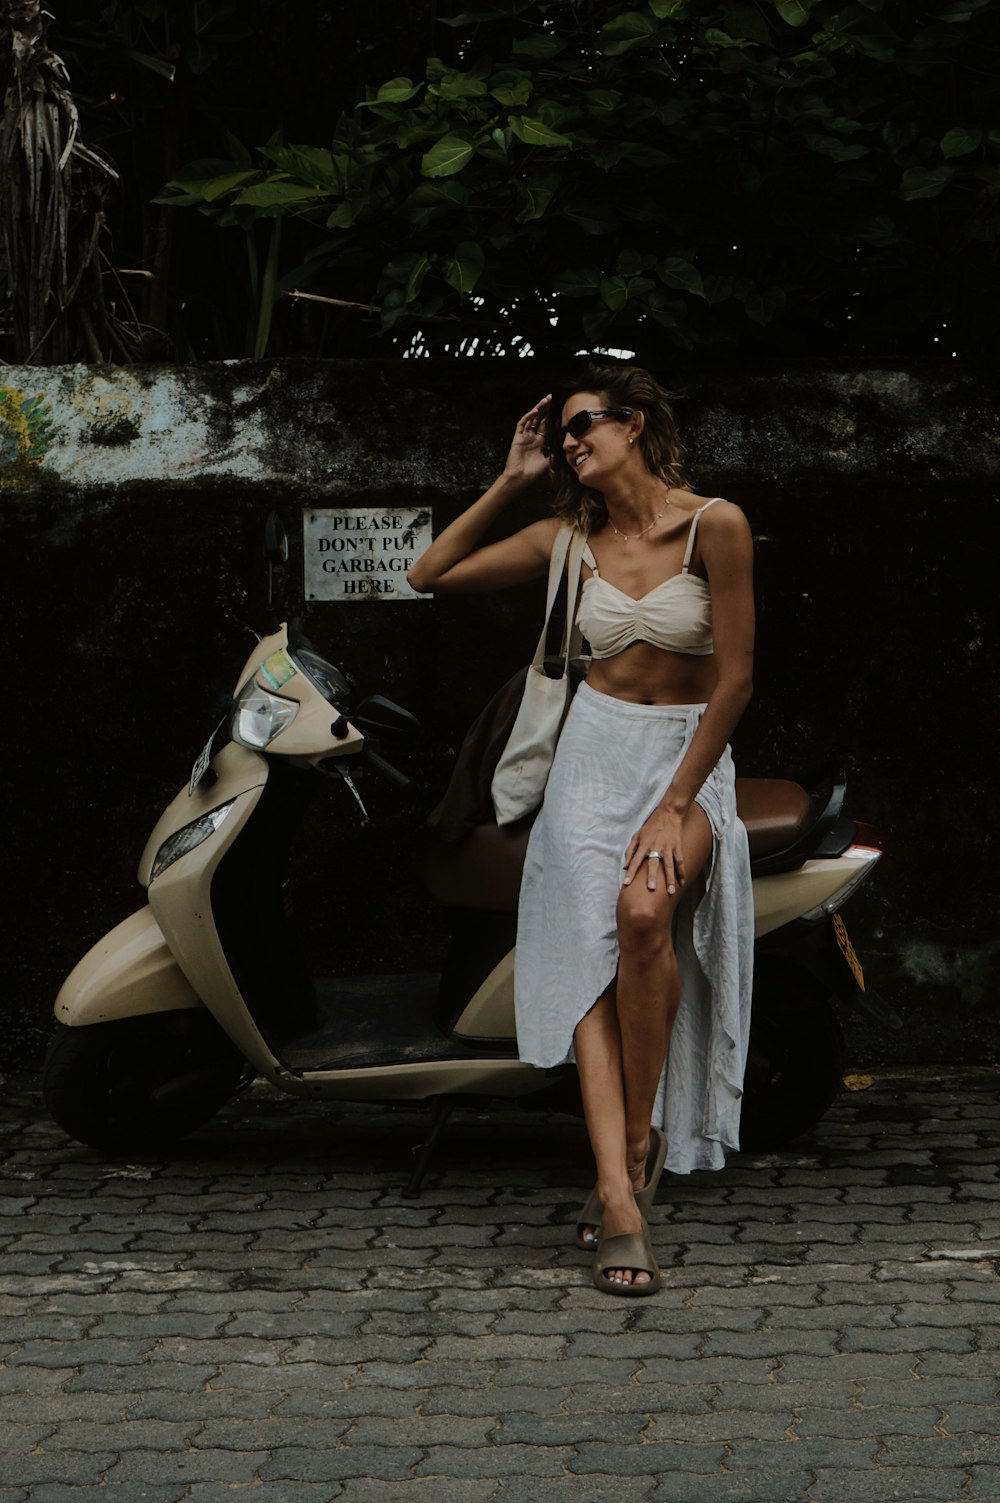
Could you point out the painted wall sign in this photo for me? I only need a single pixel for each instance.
(363, 553)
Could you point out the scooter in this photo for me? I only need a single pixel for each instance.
(189, 999)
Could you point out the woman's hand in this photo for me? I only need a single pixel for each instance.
(659, 843)
(527, 459)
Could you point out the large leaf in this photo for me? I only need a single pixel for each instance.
(795, 12)
(534, 200)
(959, 141)
(513, 94)
(748, 22)
(578, 281)
(455, 85)
(534, 133)
(276, 191)
(674, 271)
(925, 182)
(396, 91)
(309, 164)
(218, 187)
(633, 29)
(447, 156)
(463, 270)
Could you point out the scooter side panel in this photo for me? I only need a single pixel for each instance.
(128, 973)
(490, 1013)
(784, 896)
(450, 1077)
(181, 899)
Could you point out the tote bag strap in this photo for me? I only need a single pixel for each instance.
(569, 542)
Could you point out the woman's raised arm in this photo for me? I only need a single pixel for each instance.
(454, 562)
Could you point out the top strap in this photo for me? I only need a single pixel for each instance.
(685, 567)
(590, 560)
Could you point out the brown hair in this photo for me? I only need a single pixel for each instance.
(618, 386)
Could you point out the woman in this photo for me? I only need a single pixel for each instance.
(637, 855)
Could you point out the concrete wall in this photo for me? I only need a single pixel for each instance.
(132, 506)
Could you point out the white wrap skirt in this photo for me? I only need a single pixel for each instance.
(613, 764)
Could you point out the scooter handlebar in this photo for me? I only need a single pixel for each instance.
(379, 764)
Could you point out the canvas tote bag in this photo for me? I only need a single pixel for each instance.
(523, 769)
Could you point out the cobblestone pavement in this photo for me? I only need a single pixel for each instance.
(265, 1315)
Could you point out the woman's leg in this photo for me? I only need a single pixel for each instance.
(621, 1043)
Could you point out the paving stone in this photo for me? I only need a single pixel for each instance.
(749, 1486)
(496, 1402)
(106, 1492)
(811, 1452)
(595, 1489)
(941, 1450)
(391, 1463)
(275, 1492)
(197, 1403)
(886, 1367)
(434, 1489)
(879, 1420)
(137, 1466)
(108, 1379)
(44, 1468)
(905, 1484)
(111, 1435)
(657, 1457)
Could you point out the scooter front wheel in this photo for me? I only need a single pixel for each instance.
(136, 1084)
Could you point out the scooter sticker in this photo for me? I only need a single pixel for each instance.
(277, 669)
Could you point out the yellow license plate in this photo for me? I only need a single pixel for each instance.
(848, 950)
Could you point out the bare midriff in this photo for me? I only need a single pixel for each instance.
(647, 675)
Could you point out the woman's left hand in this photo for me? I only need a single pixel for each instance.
(660, 842)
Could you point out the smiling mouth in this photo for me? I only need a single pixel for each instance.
(578, 461)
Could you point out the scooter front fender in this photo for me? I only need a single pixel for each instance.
(128, 973)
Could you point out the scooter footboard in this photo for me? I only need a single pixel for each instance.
(128, 973)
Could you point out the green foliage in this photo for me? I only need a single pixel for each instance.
(634, 172)
(813, 176)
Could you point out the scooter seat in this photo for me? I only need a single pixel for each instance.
(483, 871)
(776, 813)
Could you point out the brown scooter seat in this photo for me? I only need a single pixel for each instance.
(484, 869)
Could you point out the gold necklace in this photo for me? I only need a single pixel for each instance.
(631, 537)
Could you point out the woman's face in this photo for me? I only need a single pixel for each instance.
(597, 452)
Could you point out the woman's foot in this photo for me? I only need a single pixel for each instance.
(644, 1174)
(625, 1264)
(621, 1219)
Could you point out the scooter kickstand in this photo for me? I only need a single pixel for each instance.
(441, 1109)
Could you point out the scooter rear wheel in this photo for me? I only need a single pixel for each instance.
(136, 1084)
(796, 1058)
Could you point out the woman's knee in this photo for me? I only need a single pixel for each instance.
(644, 924)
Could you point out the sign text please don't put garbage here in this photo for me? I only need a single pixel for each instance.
(363, 553)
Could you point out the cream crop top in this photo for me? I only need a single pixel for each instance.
(675, 615)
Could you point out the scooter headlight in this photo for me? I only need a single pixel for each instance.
(258, 716)
(188, 839)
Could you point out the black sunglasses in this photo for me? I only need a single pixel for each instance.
(581, 421)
